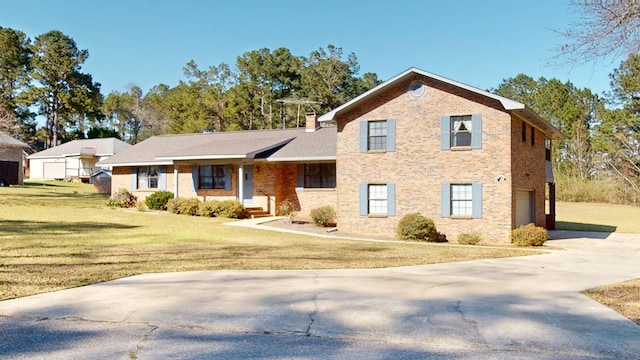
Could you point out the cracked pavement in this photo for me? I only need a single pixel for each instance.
(516, 308)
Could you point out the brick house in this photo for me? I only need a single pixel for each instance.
(261, 169)
(466, 158)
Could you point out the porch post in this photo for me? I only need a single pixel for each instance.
(175, 180)
(241, 183)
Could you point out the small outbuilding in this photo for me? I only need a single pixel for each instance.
(101, 180)
(11, 160)
(73, 160)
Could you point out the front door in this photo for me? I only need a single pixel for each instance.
(247, 186)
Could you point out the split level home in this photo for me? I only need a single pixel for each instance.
(75, 159)
(464, 157)
(11, 160)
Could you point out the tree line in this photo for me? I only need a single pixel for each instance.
(264, 89)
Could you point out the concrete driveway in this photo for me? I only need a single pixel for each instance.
(516, 308)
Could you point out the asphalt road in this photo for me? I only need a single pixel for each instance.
(516, 308)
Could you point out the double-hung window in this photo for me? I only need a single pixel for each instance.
(148, 177)
(461, 132)
(211, 177)
(461, 200)
(377, 199)
(377, 135)
(461, 127)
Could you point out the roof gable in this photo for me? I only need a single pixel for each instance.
(95, 147)
(508, 105)
(6, 140)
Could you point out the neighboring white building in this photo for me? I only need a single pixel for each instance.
(74, 159)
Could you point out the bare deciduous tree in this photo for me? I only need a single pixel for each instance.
(604, 28)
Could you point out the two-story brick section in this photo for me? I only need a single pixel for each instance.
(467, 158)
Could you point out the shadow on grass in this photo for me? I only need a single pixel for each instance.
(574, 226)
(40, 227)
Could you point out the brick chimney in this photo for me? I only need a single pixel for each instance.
(312, 122)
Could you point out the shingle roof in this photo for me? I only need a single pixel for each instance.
(164, 149)
(103, 147)
(509, 105)
(6, 140)
(317, 145)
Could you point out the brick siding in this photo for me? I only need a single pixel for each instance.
(418, 167)
(272, 184)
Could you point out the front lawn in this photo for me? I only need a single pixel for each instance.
(57, 235)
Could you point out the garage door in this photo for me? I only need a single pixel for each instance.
(524, 208)
(9, 172)
(54, 170)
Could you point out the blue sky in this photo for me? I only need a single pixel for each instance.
(147, 42)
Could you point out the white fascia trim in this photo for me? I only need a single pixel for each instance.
(299, 159)
(144, 163)
(200, 157)
(508, 104)
(43, 157)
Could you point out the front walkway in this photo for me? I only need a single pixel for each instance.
(513, 308)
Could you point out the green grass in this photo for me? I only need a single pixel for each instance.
(59, 235)
(597, 217)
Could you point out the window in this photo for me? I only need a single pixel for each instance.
(148, 177)
(533, 136)
(211, 177)
(461, 132)
(547, 149)
(524, 132)
(461, 200)
(377, 199)
(377, 135)
(320, 175)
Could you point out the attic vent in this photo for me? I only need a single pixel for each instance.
(417, 89)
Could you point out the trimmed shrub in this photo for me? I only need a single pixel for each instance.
(122, 199)
(287, 208)
(231, 209)
(158, 200)
(323, 216)
(226, 208)
(417, 227)
(208, 208)
(469, 238)
(182, 206)
(529, 235)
